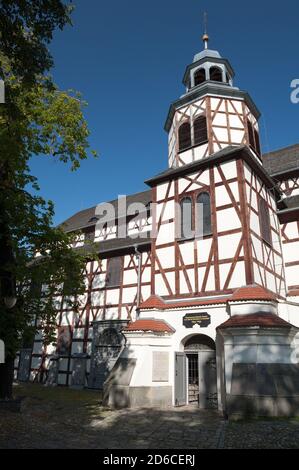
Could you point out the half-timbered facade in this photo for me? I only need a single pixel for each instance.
(199, 299)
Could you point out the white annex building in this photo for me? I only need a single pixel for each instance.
(173, 319)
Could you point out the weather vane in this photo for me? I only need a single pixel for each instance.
(205, 37)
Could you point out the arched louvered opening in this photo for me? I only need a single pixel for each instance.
(200, 130)
(203, 214)
(184, 136)
(199, 76)
(186, 218)
(264, 219)
(216, 74)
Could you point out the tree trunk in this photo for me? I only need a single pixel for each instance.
(6, 379)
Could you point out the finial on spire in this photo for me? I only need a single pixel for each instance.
(205, 37)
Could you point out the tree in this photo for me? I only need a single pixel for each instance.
(26, 29)
(36, 119)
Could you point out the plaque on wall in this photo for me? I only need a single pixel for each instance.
(201, 319)
(160, 366)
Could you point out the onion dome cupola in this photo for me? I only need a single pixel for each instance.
(212, 114)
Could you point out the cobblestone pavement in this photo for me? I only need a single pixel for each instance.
(259, 434)
(62, 418)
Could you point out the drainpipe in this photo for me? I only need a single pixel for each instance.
(138, 256)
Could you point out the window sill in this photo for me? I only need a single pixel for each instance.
(193, 146)
(189, 239)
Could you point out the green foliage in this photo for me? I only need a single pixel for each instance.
(26, 28)
(36, 119)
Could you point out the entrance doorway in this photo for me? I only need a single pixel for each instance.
(195, 374)
(193, 382)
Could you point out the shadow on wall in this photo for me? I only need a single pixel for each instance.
(263, 389)
(116, 387)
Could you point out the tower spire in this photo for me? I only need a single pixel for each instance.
(205, 37)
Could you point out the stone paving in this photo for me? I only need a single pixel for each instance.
(164, 428)
(62, 418)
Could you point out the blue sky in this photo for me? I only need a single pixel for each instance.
(128, 59)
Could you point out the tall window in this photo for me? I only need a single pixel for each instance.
(254, 138)
(257, 142)
(250, 134)
(199, 76)
(89, 235)
(216, 74)
(184, 136)
(200, 130)
(113, 272)
(264, 218)
(186, 218)
(64, 340)
(203, 216)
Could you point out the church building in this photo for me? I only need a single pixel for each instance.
(170, 318)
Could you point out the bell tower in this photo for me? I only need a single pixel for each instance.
(212, 114)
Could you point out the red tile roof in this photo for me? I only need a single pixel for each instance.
(293, 293)
(266, 320)
(156, 302)
(252, 292)
(150, 325)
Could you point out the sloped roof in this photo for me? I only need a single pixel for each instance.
(83, 219)
(260, 319)
(116, 244)
(157, 326)
(252, 292)
(156, 302)
(292, 202)
(282, 160)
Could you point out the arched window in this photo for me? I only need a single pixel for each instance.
(264, 218)
(203, 215)
(105, 230)
(257, 142)
(254, 138)
(200, 130)
(114, 272)
(186, 218)
(184, 136)
(216, 74)
(250, 134)
(199, 76)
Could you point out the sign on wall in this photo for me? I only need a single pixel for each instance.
(201, 319)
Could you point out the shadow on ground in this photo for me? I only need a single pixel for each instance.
(64, 418)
